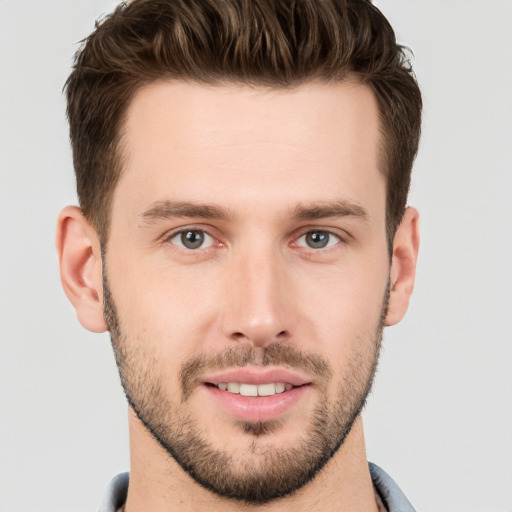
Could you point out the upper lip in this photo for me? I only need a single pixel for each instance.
(254, 375)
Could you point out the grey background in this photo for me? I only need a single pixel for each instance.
(440, 417)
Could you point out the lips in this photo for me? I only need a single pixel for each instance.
(253, 394)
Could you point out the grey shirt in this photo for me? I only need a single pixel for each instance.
(391, 495)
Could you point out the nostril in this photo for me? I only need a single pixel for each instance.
(259, 338)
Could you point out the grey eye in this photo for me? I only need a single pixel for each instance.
(192, 239)
(318, 239)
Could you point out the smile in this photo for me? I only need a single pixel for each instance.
(256, 394)
(246, 389)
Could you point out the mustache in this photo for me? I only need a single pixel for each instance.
(274, 354)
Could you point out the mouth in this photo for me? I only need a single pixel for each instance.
(252, 395)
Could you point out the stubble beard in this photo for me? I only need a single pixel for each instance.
(262, 473)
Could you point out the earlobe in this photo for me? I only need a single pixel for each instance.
(403, 266)
(80, 263)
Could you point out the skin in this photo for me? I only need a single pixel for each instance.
(259, 155)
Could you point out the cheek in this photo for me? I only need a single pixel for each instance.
(345, 308)
(164, 308)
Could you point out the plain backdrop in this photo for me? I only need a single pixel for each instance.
(440, 417)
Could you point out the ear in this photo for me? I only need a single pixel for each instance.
(403, 266)
(80, 262)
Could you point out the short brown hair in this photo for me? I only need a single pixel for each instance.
(268, 43)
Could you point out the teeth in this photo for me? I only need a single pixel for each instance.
(267, 389)
(234, 387)
(248, 389)
(280, 387)
(254, 389)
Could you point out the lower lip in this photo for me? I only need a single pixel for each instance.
(258, 408)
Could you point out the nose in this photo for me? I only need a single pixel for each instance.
(259, 306)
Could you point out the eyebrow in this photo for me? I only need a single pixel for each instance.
(329, 209)
(162, 210)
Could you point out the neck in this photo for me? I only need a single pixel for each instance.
(158, 483)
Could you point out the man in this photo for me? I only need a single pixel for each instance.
(242, 169)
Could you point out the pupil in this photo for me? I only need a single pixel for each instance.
(192, 239)
(317, 239)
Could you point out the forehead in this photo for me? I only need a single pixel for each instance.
(186, 141)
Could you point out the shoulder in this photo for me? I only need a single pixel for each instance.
(115, 495)
(391, 495)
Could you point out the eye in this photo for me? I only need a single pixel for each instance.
(318, 239)
(192, 239)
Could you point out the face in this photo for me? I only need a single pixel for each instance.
(246, 276)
